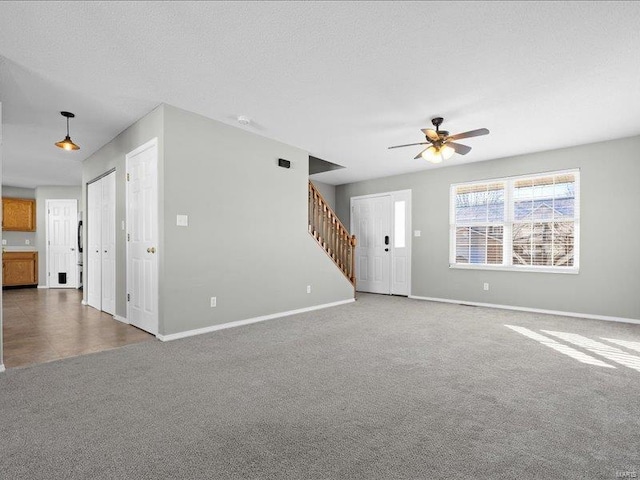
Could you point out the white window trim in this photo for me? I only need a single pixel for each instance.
(507, 225)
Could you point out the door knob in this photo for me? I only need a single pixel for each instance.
(386, 249)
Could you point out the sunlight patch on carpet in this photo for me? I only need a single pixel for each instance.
(565, 349)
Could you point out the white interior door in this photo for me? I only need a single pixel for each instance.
(108, 243)
(62, 257)
(93, 269)
(371, 224)
(142, 237)
(101, 244)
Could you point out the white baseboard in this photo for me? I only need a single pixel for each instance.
(2, 369)
(239, 323)
(121, 319)
(527, 309)
(43, 286)
(83, 302)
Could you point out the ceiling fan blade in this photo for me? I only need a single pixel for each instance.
(430, 133)
(459, 148)
(409, 145)
(471, 133)
(420, 154)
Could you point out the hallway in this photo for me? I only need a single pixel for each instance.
(41, 325)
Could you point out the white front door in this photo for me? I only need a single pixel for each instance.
(108, 243)
(93, 269)
(382, 226)
(142, 237)
(62, 255)
(371, 224)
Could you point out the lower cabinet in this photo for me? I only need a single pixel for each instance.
(19, 268)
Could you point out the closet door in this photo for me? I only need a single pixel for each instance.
(108, 243)
(93, 268)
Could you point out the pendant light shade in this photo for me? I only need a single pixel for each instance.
(67, 144)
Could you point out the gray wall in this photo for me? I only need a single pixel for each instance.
(328, 192)
(112, 156)
(17, 239)
(42, 195)
(247, 241)
(609, 278)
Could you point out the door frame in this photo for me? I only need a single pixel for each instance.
(407, 196)
(145, 146)
(46, 240)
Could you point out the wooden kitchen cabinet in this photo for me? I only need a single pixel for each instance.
(19, 268)
(18, 214)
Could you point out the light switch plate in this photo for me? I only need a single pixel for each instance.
(182, 220)
(416, 233)
(4, 241)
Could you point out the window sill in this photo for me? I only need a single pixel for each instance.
(569, 270)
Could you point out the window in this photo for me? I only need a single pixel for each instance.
(518, 223)
(399, 226)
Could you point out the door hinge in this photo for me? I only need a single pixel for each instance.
(128, 178)
(128, 237)
(128, 297)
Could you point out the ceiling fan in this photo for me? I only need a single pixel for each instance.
(441, 144)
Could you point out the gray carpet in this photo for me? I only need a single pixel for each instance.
(385, 388)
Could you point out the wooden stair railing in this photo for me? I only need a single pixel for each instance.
(331, 235)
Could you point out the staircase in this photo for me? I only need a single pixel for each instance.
(331, 234)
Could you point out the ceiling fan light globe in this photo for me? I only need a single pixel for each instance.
(432, 154)
(447, 152)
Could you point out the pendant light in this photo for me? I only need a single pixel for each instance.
(67, 144)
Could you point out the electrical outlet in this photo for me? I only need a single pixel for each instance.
(308, 288)
(486, 286)
(27, 242)
(417, 233)
(213, 302)
(4, 242)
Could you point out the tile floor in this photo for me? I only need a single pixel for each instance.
(43, 325)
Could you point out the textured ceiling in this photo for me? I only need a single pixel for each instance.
(342, 80)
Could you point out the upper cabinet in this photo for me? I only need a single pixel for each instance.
(18, 214)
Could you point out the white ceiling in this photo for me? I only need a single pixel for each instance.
(342, 80)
